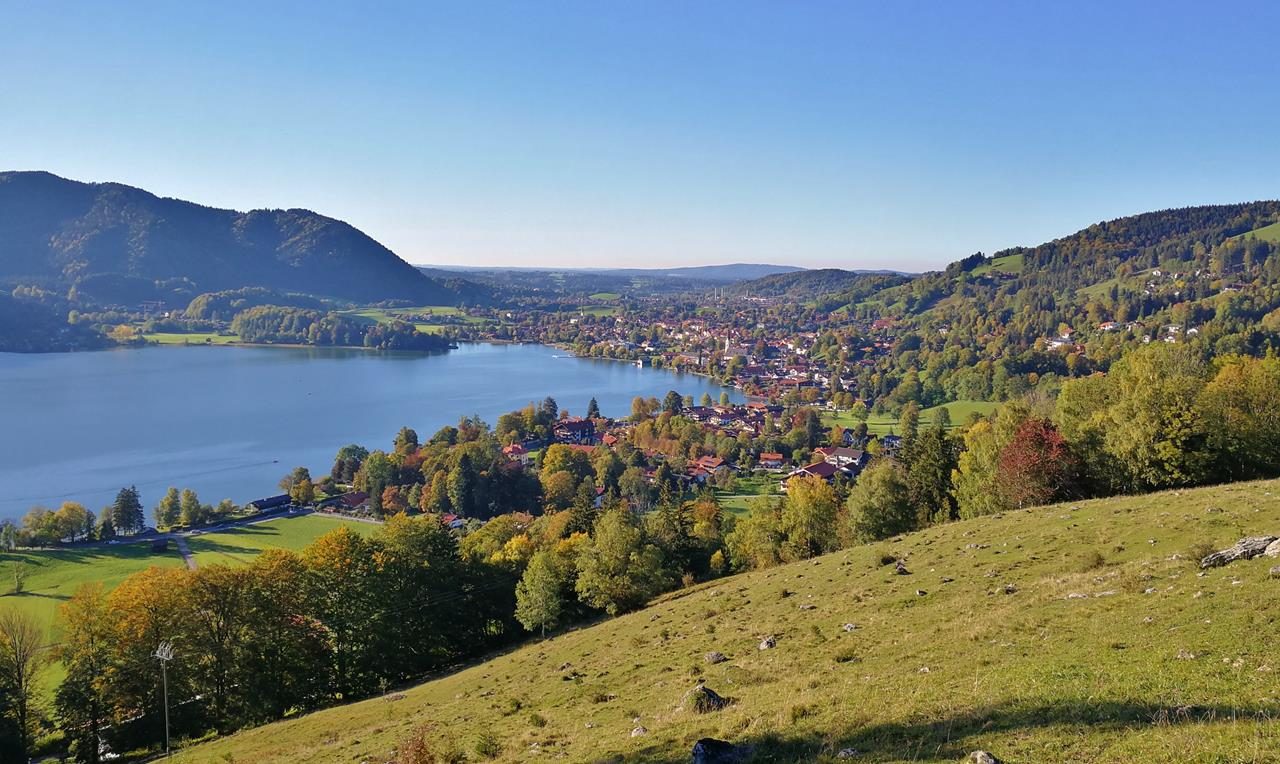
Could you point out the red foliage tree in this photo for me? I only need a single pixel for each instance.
(1036, 466)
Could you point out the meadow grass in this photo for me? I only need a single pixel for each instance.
(1005, 264)
(191, 338)
(883, 424)
(239, 546)
(1269, 233)
(1075, 632)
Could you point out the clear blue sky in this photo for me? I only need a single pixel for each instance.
(885, 134)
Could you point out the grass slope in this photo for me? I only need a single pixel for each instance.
(1148, 661)
(883, 424)
(1269, 233)
(240, 545)
(55, 575)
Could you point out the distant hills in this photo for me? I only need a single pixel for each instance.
(727, 273)
(119, 244)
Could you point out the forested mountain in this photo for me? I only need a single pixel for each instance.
(27, 326)
(121, 245)
(807, 285)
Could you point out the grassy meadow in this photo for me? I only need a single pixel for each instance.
(240, 545)
(882, 424)
(192, 338)
(1077, 632)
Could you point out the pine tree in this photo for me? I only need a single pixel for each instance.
(126, 512)
(593, 409)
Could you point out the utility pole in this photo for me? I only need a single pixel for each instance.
(164, 653)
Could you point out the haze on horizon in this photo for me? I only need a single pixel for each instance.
(577, 134)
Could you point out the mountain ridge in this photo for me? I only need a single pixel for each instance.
(60, 232)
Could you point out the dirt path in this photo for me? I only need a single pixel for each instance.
(185, 550)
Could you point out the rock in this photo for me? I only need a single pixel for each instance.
(1077, 596)
(1010, 589)
(708, 750)
(981, 757)
(1186, 655)
(850, 627)
(920, 592)
(1273, 549)
(846, 753)
(703, 700)
(808, 606)
(1275, 572)
(639, 731)
(768, 643)
(1245, 549)
(946, 580)
(716, 656)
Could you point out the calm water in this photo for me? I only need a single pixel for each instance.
(229, 422)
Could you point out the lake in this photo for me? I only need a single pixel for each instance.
(229, 422)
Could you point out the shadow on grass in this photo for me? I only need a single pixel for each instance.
(38, 595)
(954, 737)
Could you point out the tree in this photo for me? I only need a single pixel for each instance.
(1241, 409)
(190, 508)
(298, 475)
(1036, 466)
(406, 441)
(880, 503)
(126, 511)
(83, 707)
(19, 571)
(347, 463)
(593, 409)
(756, 539)
(21, 658)
(932, 459)
(617, 569)
(673, 402)
(724, 398)
(705, 400)
(539, 595)
(303, 493)
(809, 517)
(560, 458)
(169, 510)
(106, 526)
(462, 486)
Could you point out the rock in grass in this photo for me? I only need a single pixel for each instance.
(716, 656)
(768, 643)
(639, 731)
(708, 750)
(1273, 549)
(704, 700)
(1245, 549)
(981, 757)
(1275, 572)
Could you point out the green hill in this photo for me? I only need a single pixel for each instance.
(123, 245)
(1076, 632)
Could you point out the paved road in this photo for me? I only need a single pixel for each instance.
(184, 549)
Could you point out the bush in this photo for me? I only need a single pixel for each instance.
(418, 749)
(487, 746)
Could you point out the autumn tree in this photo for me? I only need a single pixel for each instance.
(809, 516)
(1036, 466)
(83, 704)
(618, 570)
(169, 510)
(22, 655)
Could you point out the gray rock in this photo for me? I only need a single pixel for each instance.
(708, 750)
(1273, 549)
(1010, 589)
(703, 700)
(901, 569)
(1245, 549)
(716, 656)
(1275, 572)
(768, 643)
(850, 627)
(639, 731)
(846, 753)
(981, 757)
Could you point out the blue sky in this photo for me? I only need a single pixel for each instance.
(857, 135)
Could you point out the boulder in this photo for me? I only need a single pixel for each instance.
(1245, 549)
(708, 750)
(639, 731)
(768, 643)
(901, 569)
(1275, 571)
(1273, 549)
(981, 757)
(716, 656)
(703, 700)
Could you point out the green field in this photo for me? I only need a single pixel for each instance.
(1269, 233)
(606, 296)
(1072, 633)
(241, 545)
(193, 338)
(746, 490)
(599, 310)
(884, 424)
(1005, 264)
(55, 575)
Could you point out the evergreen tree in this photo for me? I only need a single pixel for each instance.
(126, 512)
(593, 409)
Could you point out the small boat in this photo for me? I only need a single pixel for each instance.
(639, 363)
